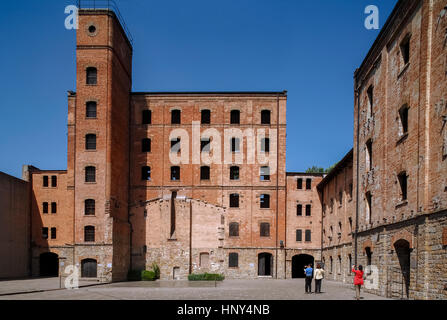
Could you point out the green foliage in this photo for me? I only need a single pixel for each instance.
(206, 277)
(331, 167)
(134, 275)
(156, 270)
(148, 275)
(316, 169)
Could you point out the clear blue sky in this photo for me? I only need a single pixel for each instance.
(310, 48)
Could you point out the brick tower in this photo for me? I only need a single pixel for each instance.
(98, 146)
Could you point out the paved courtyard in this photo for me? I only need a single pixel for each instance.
(227, 290)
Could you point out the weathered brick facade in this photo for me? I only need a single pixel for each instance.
(383, 205)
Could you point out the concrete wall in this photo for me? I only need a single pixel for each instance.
(14, 227)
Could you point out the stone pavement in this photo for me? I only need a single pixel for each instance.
(291, 289)
(35, 284)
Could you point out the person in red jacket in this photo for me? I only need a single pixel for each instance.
(358, 280)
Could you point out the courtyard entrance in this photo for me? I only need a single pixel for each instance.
(298, 263)
(49, 264)
(265, 264)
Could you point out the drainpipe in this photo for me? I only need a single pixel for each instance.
(190, 236)
(277, 183)
(357, 92)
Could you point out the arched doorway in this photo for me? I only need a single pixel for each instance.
(89, 268)
(49, 264)
(403, 252)
(298, 263)
(265, 264)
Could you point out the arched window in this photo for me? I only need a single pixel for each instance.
(89, 268)
(89, 234)
(265, 117)
(146, 145)
(234, 200)
(176, 117)
(233, 260)
(235, 117)
(90, 109)
(234, 173)
(92, 75)
(90, 142)
(206, 117)
(90, 174)
(146, 173)
(89, 207)
(204, 173)
(146, 117)
(234, 229)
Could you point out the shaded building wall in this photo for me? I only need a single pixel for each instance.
(338, 220)
(14, 227)
(417, 222)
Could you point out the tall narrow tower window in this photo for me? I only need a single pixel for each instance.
(92, 75)
(91, 109)
(265, 116)
(206, 116)
(90, 142)
(176, 117)
(235, 117)
(90, 174)
(146, 117)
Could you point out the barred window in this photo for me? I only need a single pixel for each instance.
(89, 234)
(91, 109)
(234, 229)
(92, 75)
(89, 207)
(233, 260)
(235, 117)
(90, 142)
(90, 174)
(265, 229)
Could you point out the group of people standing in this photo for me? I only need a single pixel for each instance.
(318, 274)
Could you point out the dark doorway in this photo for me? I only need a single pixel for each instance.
(298, 263)
(265, 262)
(49, 264)
(89, 268)
(403, 252)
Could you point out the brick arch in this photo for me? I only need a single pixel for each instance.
(402, 235)
(368, 243)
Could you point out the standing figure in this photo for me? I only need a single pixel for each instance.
(319, 275)
(309, 272)
(358, 280)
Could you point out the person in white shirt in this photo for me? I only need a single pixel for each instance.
(319, 275)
